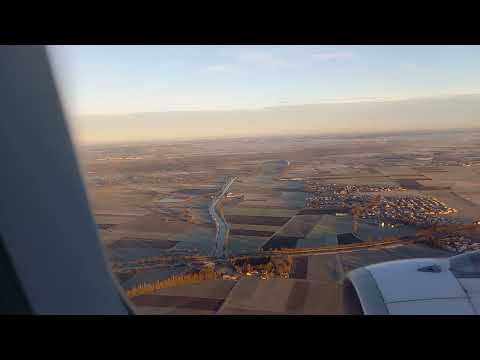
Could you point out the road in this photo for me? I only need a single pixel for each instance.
(222, 227)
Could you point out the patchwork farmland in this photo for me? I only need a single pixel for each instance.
(294, 197)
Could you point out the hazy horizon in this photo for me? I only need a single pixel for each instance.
(441, 113)
(135, 93)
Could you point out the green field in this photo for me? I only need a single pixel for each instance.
(323, 233)
(238, 244)
(328, 227)
(254, 227)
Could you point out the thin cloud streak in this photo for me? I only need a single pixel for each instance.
(333, 55)
(220, 68)
(260, 57)
(415, 68)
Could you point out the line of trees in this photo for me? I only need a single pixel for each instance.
(173, 281)
(278, 265)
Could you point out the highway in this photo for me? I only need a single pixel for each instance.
(222, 227)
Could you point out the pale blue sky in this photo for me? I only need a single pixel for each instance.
(126, 79)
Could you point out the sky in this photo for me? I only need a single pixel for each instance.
(138, 79)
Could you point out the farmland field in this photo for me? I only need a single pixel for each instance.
(258, 211)
(257, 220)
(158, 205)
